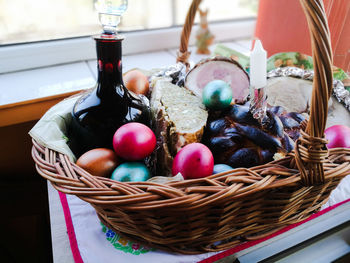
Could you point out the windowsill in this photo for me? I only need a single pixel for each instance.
(26, 95)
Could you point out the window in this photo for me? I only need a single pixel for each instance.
(27, 20)
(26, 24)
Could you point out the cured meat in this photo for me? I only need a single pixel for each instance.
(222, 68)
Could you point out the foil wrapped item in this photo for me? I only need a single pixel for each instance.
(174, 73)
(341, 94)
(339, 91)
(291, 72)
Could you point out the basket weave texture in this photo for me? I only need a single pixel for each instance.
(227, 208)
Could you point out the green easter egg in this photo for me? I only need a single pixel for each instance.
(131, 172)
(217, 95)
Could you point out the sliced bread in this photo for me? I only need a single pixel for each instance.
(179, 119)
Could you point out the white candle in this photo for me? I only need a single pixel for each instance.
(258, 62)
(258, 82)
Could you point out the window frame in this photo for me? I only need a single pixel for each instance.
(19, 57)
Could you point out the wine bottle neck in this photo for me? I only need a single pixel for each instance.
(109, 62)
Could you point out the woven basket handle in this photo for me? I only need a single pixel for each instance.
(183, 54)
(311, 150)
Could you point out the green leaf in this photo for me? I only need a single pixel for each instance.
(339, 74)
(307, 64)
(115, 238)
(104, 228)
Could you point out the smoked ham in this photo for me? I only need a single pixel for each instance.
(221, 68)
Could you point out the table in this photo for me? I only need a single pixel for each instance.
(323, 239)
(60, 243)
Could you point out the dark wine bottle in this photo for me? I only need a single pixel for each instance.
(99, 113)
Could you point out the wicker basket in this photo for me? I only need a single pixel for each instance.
(223, 209)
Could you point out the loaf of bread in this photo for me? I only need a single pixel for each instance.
(236, 138)
(179, 119)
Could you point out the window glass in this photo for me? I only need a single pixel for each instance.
(36, 20)
(219, 9)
